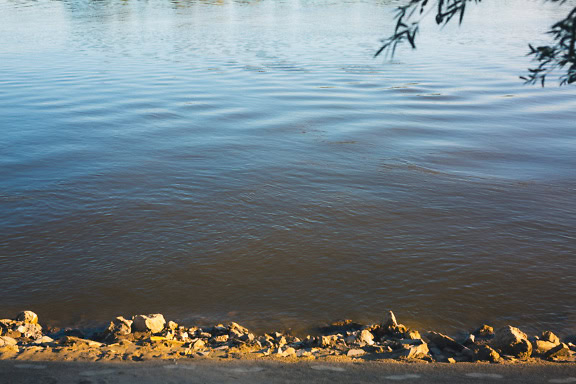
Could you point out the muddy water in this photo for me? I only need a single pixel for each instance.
(250, 160)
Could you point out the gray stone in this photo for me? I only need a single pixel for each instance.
(512, 341)
(443, 342)
(148, 323)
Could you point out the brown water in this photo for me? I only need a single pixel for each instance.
(250, 160)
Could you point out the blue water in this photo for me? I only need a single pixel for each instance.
(251, 160)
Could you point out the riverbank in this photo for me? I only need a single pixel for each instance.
(152, 338)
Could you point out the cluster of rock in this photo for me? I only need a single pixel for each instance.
(387, 340)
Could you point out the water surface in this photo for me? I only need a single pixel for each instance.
(250, 160)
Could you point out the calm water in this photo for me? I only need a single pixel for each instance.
(250, 160)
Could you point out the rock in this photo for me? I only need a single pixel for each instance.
(281, 341)
(486, 353)
(512, 341)
(247, 337)
(28, 317)
(148, 323)
(411, 351)
(410, 341)
(540, 347)
(470, 339)
(451, 360)
(443, 342)
(412, 334)
(389, 320)
(485, 331)
(550, 337)
(560, 351)
(366, 337)
(220, 339)
(172, 325)
(327, 341)
(238, 328)
(118, 329)
(44, 340)
(342, 326)
(30, 330)
(289, 352)
(355, 352)
(7, 340)
(72, 341)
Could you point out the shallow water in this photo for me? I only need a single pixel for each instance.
(250, 160)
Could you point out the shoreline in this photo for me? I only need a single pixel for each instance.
(152, 338)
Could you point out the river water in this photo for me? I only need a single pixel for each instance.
(251, 161)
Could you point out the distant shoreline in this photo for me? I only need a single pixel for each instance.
(150, 338)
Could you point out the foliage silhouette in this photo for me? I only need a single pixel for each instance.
(560, 56)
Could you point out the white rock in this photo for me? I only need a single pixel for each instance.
(366, 337)
(149, 323)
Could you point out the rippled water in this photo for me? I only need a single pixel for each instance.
(250, 160)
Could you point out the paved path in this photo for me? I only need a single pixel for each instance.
(18, 372)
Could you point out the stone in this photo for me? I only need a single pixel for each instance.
(411, 351)
(342, 326)
(485, 331)
(247, 337)
(366, 337)
(486, 353)
(451, 360)
(560, 351)
(148, 323)
(355, 352)
(7, 340)
(172, 325)
(412, 334)
(30, 330)
(289, 352)
(28, 317)
(327, 341)
(389, 320)
(220, 339)
(350, 339)
(72, 341)
(238, 328)
(443, 342)
(540, 347)
(512, 341)
(410, 341)
(281, 341)
(550, 337)
(117, 330)
(44, 340)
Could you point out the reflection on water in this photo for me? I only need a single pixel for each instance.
(228, 159)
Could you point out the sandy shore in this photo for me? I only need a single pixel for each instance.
(150, 338)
